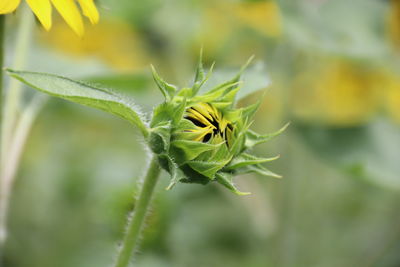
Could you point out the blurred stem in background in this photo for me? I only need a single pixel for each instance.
(136, 222)
(2, 37)
(13, 95)
(14, 128)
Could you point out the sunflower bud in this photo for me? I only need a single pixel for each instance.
(204, 138)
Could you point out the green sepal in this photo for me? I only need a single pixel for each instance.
(178, 112)
(233, 115)
(240, 138)
(249, 111)
(207, 168)
(172, 168)
(253, 138)
(223, 88)
(168, 90)
(192, 176)
(211, 95)
(257, 168)
(226, 180)
(238, 144)
(218, 155)
(244, 159)
(168, 111)
(200, 73)
(162, 113)
(230, 95)
(185, 92)
(235, 81)
(185, 150)
(222, 105)
(159, 138)
(201, 77)
(186, 135)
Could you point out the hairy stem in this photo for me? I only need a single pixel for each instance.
(136, 222)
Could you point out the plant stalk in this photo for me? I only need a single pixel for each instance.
(9, 138)
(136, 222)
(13, 95)
(2, 41)
(8, 172)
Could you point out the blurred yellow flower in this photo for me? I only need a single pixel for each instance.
(224, 20)
(391, 84)
(263, 16)
(115, 43)
(338, 93)
(67, 8)
(394, 23)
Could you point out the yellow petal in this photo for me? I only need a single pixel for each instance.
(8, 6)
(69, 11)
(42, 10)
(89, 10)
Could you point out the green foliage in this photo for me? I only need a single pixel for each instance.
(209, 136)
(198, 138)
(82, 93)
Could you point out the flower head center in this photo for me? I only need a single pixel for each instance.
(210, 123)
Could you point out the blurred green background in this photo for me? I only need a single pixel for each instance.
(335, 75)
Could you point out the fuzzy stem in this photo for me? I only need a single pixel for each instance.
(135, 223)
(14, 93)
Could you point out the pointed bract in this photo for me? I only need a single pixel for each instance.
(226, 180)
(167, 89)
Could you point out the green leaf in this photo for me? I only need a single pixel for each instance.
(167, 89)
(82, 93)
(226, 180)
(207, 168)
(185, 150)
(258, 169)
(247, 159)
(131, 83)
(253, 138)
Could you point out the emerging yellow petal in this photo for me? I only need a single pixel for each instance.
(42, 10)
(8, 6)
(69, 11)
(89, 10)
